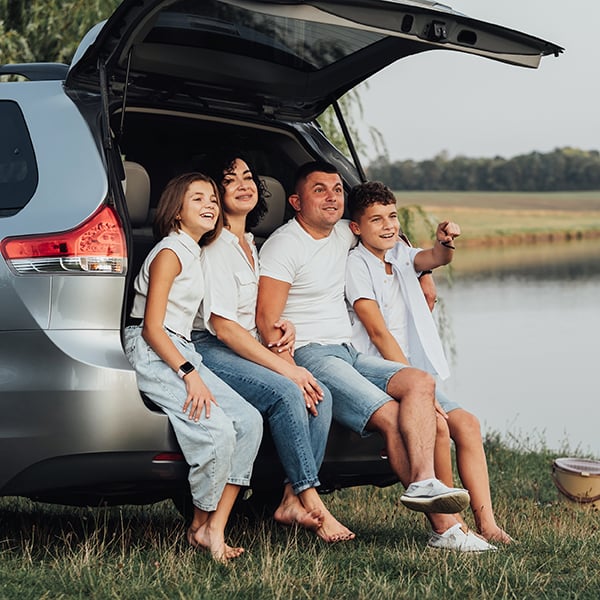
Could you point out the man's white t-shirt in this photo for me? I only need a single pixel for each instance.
(315, 269)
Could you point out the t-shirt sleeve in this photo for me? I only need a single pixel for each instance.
(358, 280)
(279, 258)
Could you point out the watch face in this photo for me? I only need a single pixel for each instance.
(187, 367)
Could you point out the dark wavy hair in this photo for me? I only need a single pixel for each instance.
(171, 203)
(220, 164)
(361, 196)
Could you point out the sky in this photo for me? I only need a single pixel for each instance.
(470, 106)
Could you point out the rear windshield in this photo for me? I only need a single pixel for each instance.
(303, 45)
(18, 170)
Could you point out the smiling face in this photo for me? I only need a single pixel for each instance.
(240, 194)
(200, 209)
(319, 202)
(378, 228)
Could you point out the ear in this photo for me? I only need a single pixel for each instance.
(294, 201)
(354, 228)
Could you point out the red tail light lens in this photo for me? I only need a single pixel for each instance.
(96, 246)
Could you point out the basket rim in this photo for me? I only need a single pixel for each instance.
(582, 466)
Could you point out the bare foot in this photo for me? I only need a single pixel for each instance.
(213, 541)
(291, 512)
(496, 534)
(332, 531)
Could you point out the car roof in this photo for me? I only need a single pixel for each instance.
(282, 58)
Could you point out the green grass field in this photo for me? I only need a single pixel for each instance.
(139, 553)
(508, 218)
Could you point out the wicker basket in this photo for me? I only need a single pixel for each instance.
(578, 480)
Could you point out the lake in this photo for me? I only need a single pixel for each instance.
(525, 325)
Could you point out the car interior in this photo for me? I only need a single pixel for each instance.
(159, 145)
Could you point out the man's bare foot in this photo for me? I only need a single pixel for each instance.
(332, 531)
(293, 513)
(496, 534)
(213, 541)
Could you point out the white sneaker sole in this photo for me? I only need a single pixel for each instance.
(450, 503)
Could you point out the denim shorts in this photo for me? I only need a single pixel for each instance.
(357, 381)
(444, 401)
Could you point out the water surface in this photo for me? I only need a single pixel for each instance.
(525, 323)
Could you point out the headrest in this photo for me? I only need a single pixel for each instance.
(137, 192)
(276, 201)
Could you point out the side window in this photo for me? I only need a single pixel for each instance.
(18, 170)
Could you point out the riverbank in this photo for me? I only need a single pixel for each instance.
(497, 218)
(140, 552)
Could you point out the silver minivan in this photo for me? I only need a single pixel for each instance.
(85, 150)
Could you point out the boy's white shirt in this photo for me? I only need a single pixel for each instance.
(427, 352)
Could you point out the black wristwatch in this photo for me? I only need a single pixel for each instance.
(185, 369)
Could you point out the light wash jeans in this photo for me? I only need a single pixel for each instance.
(357, 381)
(220, 449)
(299, 437)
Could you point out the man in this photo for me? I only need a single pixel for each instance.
(302, 279)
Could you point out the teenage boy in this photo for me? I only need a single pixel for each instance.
(391, 319)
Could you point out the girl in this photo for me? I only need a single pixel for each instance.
(297, 407)
(218, 431)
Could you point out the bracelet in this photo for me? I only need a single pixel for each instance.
(428, 272)
(447, 245)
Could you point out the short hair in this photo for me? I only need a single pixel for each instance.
(365, 194)
(314, 166)
(171, 203)
(221, 163)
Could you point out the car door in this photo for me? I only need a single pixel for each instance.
(284, 60)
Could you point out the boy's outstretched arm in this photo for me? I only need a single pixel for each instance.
(442, 251)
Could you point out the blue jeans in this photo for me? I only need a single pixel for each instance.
(300, 438)
(218, 450)
(357, 381)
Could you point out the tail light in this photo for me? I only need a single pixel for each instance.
(96, 246)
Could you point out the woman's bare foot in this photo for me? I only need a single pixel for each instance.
(213, 541)
(332, 531)
(496, 534)
(291, 512)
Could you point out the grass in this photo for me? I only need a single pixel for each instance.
(54, 552)
(510, 218)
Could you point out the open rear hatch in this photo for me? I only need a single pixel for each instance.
(284, 59)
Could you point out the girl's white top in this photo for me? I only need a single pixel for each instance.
(187, 290)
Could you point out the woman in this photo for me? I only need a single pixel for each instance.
(298, 409)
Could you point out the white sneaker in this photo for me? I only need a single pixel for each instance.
(456, 539)
(432, 496)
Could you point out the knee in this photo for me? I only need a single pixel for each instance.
(414, 382)
(465, 425)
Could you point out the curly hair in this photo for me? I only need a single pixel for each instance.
(365, 194)
(220, 164)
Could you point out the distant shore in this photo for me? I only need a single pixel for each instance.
(498, 218)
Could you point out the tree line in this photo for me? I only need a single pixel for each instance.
(561, 169)
(47, 30)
